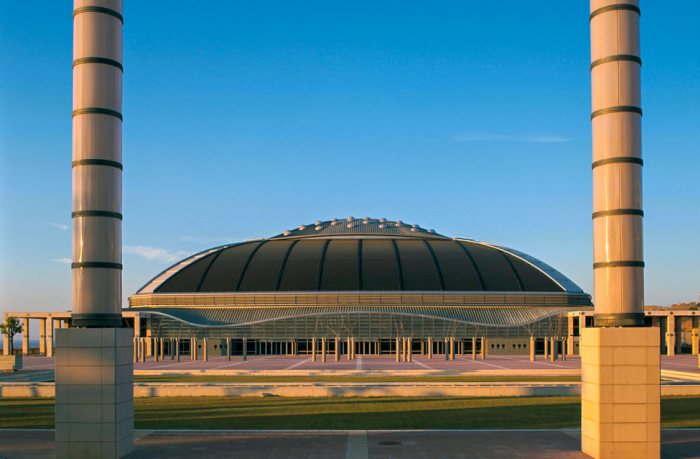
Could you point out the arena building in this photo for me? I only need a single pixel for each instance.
(358, 284)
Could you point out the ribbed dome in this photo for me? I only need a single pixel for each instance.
(360, 255)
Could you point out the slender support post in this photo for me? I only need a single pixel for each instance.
(25, 336)
(570, 337)
(532, 348)
(554, 348)
(323, 350)
(206, 350)
(337, 349)
(349, 349)
(546, 348)
(474, 348)
(696, 340)
(161, 348)
(398, 350)
(404, 350)
(245, 349)
(177, 349)
(49, 337)
(194, 349)
(313, 349)
(452, 348)
(228, 349)
(42, 338)
(430, 348)
(410, 350)
(155, 349)
(563, 349)
(143, 350)
(136, 349)
(484, 348)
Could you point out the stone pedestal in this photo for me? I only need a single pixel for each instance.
(94, 393)
(620, 400)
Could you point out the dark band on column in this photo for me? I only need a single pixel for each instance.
(96, 213)
(98, 60)
(616, 58)
(609, 213)
(98, 9)
(621, 6)
(97, 111)
(618, 264)
(96, 264)
(618, 109)
(98, 162)
(617, 160)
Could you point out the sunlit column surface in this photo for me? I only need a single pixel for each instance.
(97, 163)
(617, 163)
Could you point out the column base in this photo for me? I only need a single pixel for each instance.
(621, 394)
(94, 393)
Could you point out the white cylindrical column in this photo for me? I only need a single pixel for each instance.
(617, 163)
(97, 163)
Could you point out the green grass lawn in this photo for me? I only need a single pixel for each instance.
(348, 413)
(345, 379)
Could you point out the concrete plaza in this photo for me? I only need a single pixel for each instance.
(541, 444)
(365, 363)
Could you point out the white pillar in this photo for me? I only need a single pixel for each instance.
(617, 163)
(570, 338)
(42, 337)
(620, 409)
(25, 336)
(97, 163)
(49, 337)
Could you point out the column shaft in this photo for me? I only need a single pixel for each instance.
(25, 336)
(97, 164)
(49, 337)
(617, 163)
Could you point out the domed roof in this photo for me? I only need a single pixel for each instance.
(360, 255)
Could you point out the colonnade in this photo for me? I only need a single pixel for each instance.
(48, 323)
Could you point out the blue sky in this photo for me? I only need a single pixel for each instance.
(244, 119)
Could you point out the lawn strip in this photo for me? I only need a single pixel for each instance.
(353, 413)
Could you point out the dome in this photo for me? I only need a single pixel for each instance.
(359, 255)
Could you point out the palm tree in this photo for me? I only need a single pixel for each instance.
(10, 328)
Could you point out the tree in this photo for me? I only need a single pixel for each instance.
(10, 328)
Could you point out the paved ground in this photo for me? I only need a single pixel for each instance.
(542, 444)
(39, 369)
